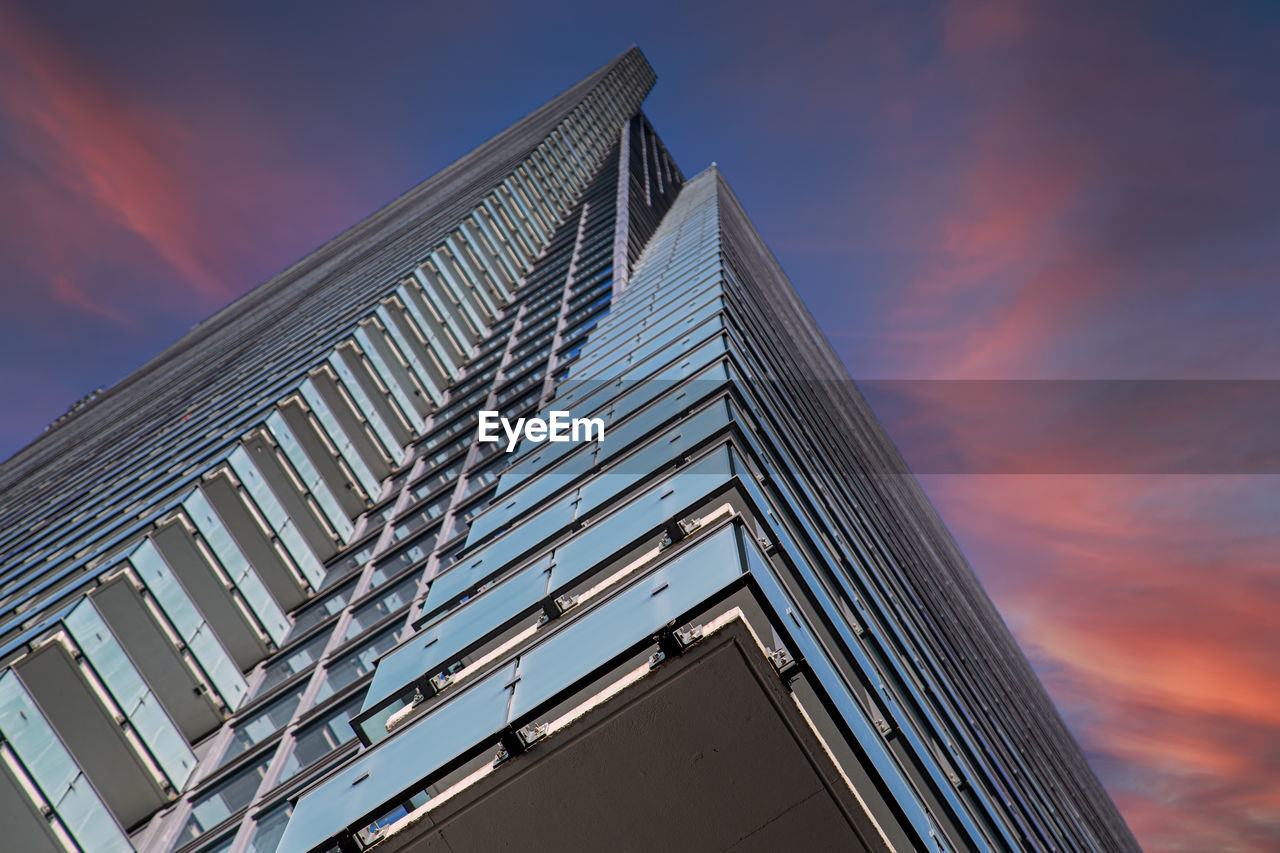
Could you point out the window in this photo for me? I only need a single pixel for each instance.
(440, 477)
(480, 478)
(291, 662)
(321, 609)
(223, 800)
(417, 520)
(353, 558)
(434, 508)
(269, 829)
(415, 552)
(321, 737)
(220, 845)
(395, 597)
(257, 727)
(356, 663)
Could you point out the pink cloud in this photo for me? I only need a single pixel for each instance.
(1144, 602)
(107, 152)
(1105, 207)
(125, 203)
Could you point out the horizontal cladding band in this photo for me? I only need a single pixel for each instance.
(561, 426)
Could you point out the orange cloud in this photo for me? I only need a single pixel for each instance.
(1106, 209)
(1149, 605)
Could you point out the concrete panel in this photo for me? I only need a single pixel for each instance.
(25, 828)
(206, 588)
(153, 654)
(711, 755)
(284, 584)
(91, 734)
(305, 516)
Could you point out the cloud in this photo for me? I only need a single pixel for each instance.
(1147, 604)
(143, 191)
(133, 199)
(105, 151)
(1104, 203)
(1102, 191)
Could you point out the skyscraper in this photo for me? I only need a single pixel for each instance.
(273, 591)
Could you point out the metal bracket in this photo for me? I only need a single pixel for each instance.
(556, 607)
(517, 741)
(787, 667)
(672, 642)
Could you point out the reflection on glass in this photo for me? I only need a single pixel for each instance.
(356, 663)
(224, 799)
(395, 597)
(262, 724)
(290, 663)
(319, 738)
(321, 609)
(269, 829)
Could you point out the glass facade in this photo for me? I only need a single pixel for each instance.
(305, 609)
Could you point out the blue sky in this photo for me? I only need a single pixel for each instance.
(983, 190)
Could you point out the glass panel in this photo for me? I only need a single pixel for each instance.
(365, 405)
(321, 610)
(478, 480)
(623, 433)
(442, 455)
(833, 684)
(189, 623)
(155, 573)
(339, 437)
(434, 508)
(317, 485)
(445, 639)
(280, 522)
(221, 670)
(42, 753)
(510, 505)
(417, 520)
(287, 664)
(639, 517)
(376, 518)
(631, 616)
(381, 773)
(660, 451)
(269, 828)
(466, 576)
(388, 378)
(633, 396)
(441, 476)
(410, 353)
(222, 845)
(392, 565)
(353, 559)
(356, 663)
(321, 737)
(224, 799)
(262, 724)
(393, 598)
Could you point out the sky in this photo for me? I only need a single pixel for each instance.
(964, 194)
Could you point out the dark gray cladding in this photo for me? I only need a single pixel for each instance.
(866, 482)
